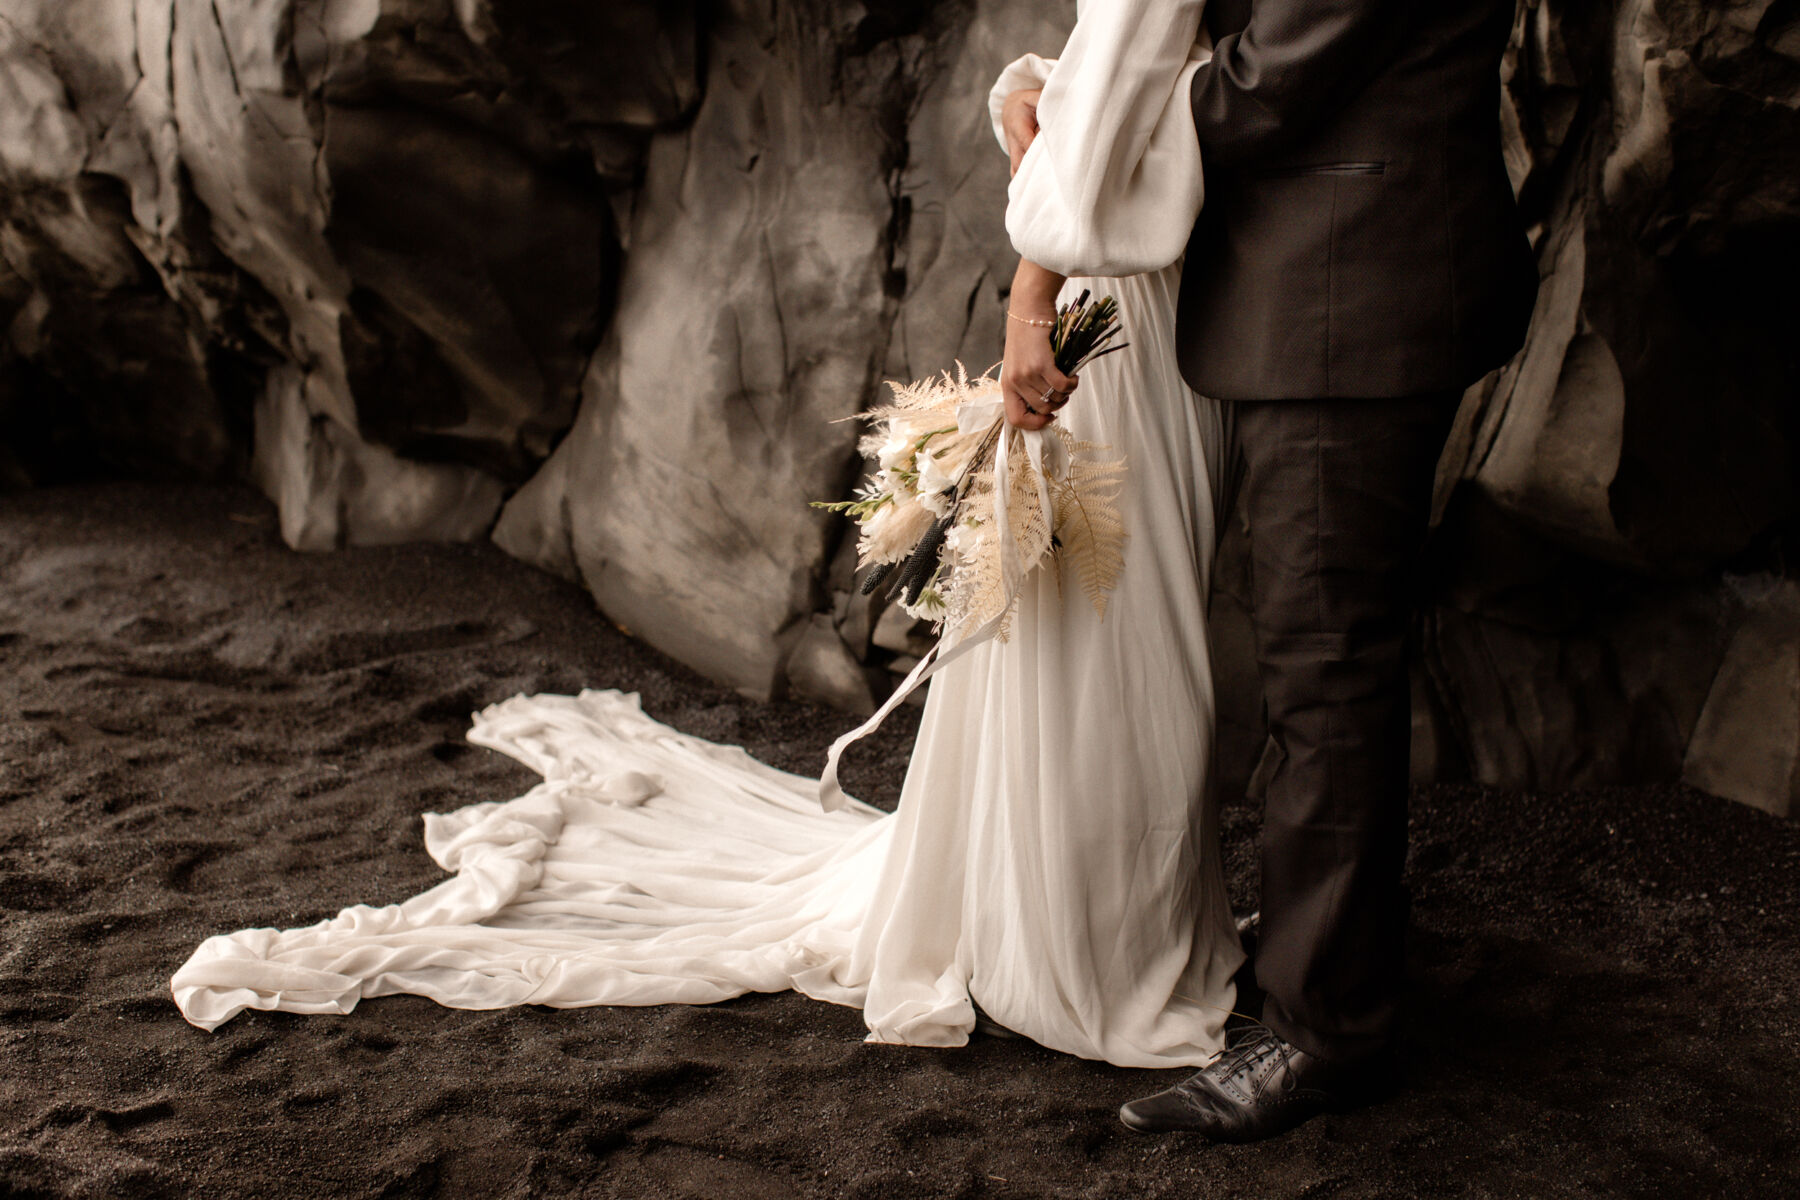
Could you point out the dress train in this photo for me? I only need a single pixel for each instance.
(1053, 856)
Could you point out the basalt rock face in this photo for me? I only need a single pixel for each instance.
(364, 246)
(102, 367)
(602, 279)
(1649, 420)
(831, 216)
(1616, 502)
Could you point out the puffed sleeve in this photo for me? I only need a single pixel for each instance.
(1112, 184)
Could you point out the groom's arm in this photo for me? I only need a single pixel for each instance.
(1294, 64)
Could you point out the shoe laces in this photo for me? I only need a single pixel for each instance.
(1246, 1046)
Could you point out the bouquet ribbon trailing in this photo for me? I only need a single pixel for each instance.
(964, 507)
(1047, 455)
(1049, 459)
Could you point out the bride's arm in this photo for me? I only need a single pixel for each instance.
(1029, 368)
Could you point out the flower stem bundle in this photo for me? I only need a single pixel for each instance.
(1082, 332)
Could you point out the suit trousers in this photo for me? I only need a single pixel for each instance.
(1337, 497)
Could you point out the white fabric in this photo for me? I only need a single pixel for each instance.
(1050, 459)
(1111, 185)
(1053, 857)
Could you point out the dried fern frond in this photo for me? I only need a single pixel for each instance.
(1031, 526)
(940, 393)
(980, 591)
(977, 590)
(1090, 529)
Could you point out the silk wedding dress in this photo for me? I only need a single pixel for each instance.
(1053, 857)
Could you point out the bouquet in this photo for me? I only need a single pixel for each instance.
(963, 506)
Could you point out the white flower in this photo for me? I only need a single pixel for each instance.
(895, 451)
(969, 542)
(877, 522)
(934, 476)
(930, 607)
(889, 484)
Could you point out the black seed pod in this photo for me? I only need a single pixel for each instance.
(922, 563)
(881, 572)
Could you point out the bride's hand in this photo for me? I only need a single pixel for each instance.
(1018, 119)
(1029, 381)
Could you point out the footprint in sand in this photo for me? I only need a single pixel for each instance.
(149, 631)
(29, 891)
(359, 648)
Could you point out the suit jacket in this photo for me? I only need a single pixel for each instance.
(1359, 236)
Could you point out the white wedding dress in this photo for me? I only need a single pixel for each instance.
(1053, 857)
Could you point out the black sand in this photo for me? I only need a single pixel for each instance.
(201, 731)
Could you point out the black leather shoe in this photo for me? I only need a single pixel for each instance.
(1260, 1086)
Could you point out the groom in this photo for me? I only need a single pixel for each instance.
(1358, 263)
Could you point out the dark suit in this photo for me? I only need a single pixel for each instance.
(1359, 236)
(1359, 261)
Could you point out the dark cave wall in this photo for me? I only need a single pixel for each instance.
(360, 249)
(1616, 589)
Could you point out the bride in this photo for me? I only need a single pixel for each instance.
(1053, 857)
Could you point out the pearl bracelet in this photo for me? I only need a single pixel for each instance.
(1030, 321)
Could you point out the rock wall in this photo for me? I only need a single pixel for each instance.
(603, 279)
(830, 216)
(363, 248)
(1618, 503)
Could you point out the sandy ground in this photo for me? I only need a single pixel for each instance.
(201, 731)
